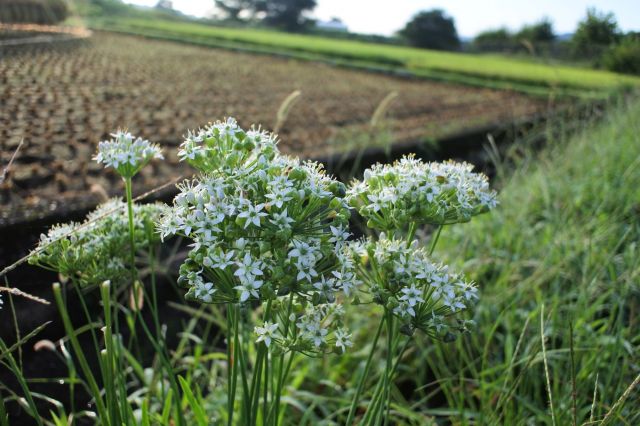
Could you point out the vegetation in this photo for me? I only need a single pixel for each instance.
(624, 57)
(457, 305)
(497, 40)
(489, 71)
(560, 263)
(270, 255)
(432, 30)
(284, 14)
(540, 32)
(595, 33)
(554, 339)
(534, 39)
(33, 11)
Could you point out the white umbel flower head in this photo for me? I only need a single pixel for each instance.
(126, 153)
(412, 286)
(392, 195)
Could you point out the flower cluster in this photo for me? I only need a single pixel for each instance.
(96, 250)
(224, 145)
(317, 330)
(424, 295)
(126, 153)
(390, 196)
(265, 227)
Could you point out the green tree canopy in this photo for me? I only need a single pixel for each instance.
(233, 8)
(540, 32)
(288, 14)
(285, 14)
(432, 30)
(596, 32)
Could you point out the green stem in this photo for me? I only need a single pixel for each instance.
(282, 380)
(365, 373)
(282, 373)
(265, 397)
(77, 348)
(134, 274)
(435, 239)
(109, 355)
(246, 401)
(232, 376)
(372, 409)
(261, 359)
(411, 233)
(389, 366)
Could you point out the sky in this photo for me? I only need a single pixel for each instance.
(471, 16)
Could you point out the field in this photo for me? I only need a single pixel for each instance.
(269, 292)
(484, 70)
(63, 101)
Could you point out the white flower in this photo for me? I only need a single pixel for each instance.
(326, 288)
(411, 295)
(266, 332)
(248, 287)
(282, 220)
(126, 154)
(345, 280)
(318, 334)
(343, 339)
(279, 197)
(253, 214)
(374, 203)
(306, 273)
(204, 291)
(218, 259)
(248, 267)
(339, 235)
(403, 309)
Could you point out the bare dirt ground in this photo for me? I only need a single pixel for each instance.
(62, 100)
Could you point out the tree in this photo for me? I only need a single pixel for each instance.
(540, 32)
(595, 34)
(233, 8)
(494, 40)
(432, 30)
(288, 14)
(624, 57)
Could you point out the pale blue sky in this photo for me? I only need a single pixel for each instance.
(471, 16)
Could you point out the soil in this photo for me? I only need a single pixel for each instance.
(63, 99)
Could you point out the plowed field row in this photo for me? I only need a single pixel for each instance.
(62, 101)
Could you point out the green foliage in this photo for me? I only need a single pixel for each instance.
(566, 237)
(491, 71)
(533, 38)
(287, 14)
(540, 32)
(432, 30)
(97, 250)
(595, 33)
(33, 11)
(497, 40)
(555, 337)
(624, 57)
(234, 8)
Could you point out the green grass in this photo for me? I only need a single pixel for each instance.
(559, 257)
(564, 238)
(486, 70)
